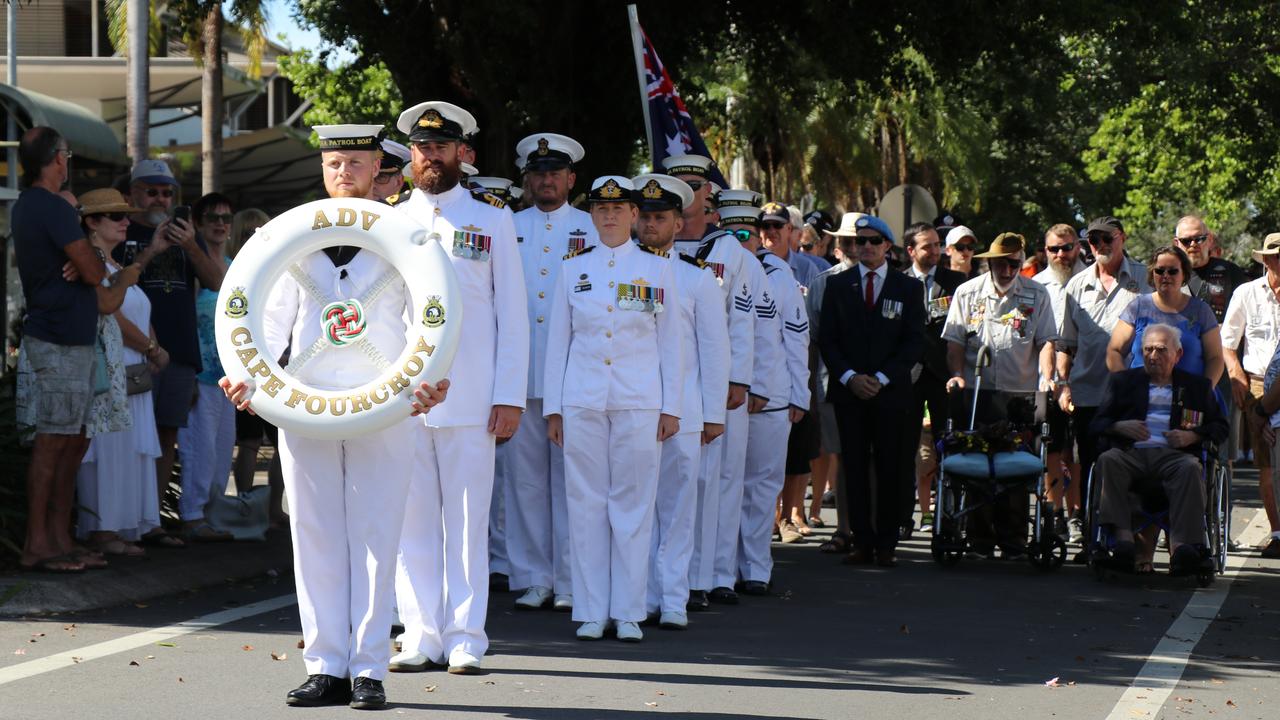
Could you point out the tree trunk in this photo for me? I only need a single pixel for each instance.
(138, 89)
(211, 110)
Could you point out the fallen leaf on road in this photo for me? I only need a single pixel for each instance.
(151, 657)
(651, 704)
(134, 663)
(20, 651)
(1216, 681)
(1231, 703)
(166, 644)
(181, 680)
(281, 656)
(302, 644)
(904, 630)
(430, 688)
(72, 626)
(246, 648)
(1079, 658)
(76, 660)
(661, 693)
(39, 635)
(1052, 683)
(488, 682)
(140, 605)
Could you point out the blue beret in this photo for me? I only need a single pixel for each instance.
(872, 222)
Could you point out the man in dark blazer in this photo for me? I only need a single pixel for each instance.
(924, 247)
(1151, 423)
(871, 336)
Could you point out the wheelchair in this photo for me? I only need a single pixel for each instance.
(1152, 511)
(989, 466)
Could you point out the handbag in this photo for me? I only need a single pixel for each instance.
(244, 515)
(137, 378)
(101, 376)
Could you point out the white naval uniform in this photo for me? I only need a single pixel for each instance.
(346, 497)
(705, 330)
(612, 367)
(740, 278)
(537, 526)
(783, 379)
(442, 578)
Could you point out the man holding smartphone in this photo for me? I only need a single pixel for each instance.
(173, 259)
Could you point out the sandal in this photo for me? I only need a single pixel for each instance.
(161, 538)
(837, 545)
(58, 564)
(204, 532)
(816, 522)
(90, 559)
(119, 547)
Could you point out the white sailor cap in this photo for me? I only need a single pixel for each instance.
(662, 192)
(611, 189)
(468, 169)
(394, 155)
(549, 151)
(349, 137)
(740, 215)
(436, 120)
(499, 187)
(516, 193)
(699, 165)
(736, 198)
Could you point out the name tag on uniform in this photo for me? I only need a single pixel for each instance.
(938, 307)
(583, 285)
(891, 309)
(471, 244)
(638, 297)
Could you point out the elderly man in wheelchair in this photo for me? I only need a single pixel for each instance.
(1153, 424)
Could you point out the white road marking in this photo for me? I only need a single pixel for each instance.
(137, 640)
(1163, 669)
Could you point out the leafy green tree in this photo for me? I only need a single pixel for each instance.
(349, 92)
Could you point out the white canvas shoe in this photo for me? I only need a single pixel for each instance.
(534, 598)
(409, 662)
(592, 630)
(563, 603)
(673, 621)
(629, 632)
(462, 662)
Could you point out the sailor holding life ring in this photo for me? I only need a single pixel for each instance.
(343, 312)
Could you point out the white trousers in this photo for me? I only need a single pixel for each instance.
(765, 473)
(611, 478)
(706, 516)
(346, 505)
(204, 447)
(442, 573)
(732, 466)
(537, 520)
(675, 515)
(498, 561)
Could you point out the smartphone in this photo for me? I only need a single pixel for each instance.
(183, 213)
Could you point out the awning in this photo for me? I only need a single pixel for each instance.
(272, 169)
(87, 135)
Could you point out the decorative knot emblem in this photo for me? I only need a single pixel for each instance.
(344, 322)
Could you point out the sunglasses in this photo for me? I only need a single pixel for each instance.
(383, 178)
(112, 216)
(863, 240)
(67, 152)
(1193, 240)
(1162, 271)
(964, 247)
(1100, 238)
(742, 235)
(1004, 264)
(1055, 249)
(224, 218)
(695, 185)
(165, 193)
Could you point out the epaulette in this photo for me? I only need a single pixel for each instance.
(488, 197)
(583, 251)
(693, 261)
(398, 198)
(653, 251)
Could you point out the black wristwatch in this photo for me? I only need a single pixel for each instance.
(1260, 411)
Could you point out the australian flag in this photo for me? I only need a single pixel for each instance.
(671, 128)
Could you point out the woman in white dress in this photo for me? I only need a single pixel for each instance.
(117, 479)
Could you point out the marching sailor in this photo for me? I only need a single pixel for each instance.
(612, 395)
(705, 330)
(442, 578)
(346, 497)
(537, 522)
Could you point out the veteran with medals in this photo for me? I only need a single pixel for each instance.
(346, 497)
(613, 392)
(442, 578)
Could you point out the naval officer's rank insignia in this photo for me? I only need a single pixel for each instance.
(639, 295)
(652, 191)
(237, 304)
(468, 242)
(431, 119)
(577, 241)
(543, 146)
(610, 190)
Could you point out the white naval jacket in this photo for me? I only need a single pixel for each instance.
(782, 338)
(705, 330)
(491, 367)
(740, 278)
(603, 355)
(545, 239)
(291, 319)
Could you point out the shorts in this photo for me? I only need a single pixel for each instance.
(926, 451)
(829, 434)
(173, 392)
(56, 394)
(1261, 449)
(251, 428)
(1059, 427)
(802, 445)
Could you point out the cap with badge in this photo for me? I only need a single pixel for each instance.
(851, 223)
(662, 192)
(153, 172)
(394, 155)
(819, 220)
(1006, 244)
(775, 212)
(740, 215)
(1270, 245)
(549, 151)
(436, 121)
(612, 189)
(945, 222)
(699, 165)
(738, 198)
(959, 233)
(496, 186)
(348, 137)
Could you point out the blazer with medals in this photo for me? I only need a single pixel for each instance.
(1127, 395)
(888, 338)
(941, 289)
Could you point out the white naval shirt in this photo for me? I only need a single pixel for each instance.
(782, 338)
(603, 355)
(1253, 316)
(740, 278)
(291, 319)
(705, 330)
(544, 240)
(491, 366)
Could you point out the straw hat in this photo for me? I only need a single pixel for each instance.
(104, 200)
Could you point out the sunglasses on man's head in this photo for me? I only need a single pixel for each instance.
(224, 218)
(864, 239)
(1162, 271)
(1055, 249)
(162, 192)
(1192, 240)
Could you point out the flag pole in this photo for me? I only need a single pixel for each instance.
(638, 51)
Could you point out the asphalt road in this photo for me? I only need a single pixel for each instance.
(985, 640)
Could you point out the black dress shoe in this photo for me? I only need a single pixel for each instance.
(697, 601)
(755, 588)
(1184, 561)
(723, 596)
(499, 583)
(367, 694)
(887, 558)
(859, 556)
(320, 690)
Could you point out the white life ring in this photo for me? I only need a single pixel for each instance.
(430, 341)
